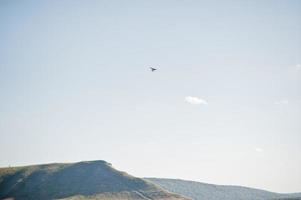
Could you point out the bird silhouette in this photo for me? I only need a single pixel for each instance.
(153, 69)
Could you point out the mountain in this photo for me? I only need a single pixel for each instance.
(74, 181)
(201, 191)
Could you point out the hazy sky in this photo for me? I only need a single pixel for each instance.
(223, 107)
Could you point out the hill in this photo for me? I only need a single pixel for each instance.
(201, 191)
(83, 180)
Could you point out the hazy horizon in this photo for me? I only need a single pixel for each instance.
(224, 106)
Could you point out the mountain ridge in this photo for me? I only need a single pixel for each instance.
(199, 191)
(81, 180)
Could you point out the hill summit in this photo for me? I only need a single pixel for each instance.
(82, 180)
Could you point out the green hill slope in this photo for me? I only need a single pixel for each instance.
(83, 180)
(203, 191)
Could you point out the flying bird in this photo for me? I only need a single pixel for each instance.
(153, 69)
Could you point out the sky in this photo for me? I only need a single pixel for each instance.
(224, 106)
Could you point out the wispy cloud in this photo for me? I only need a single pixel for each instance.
(298, 66)
(258, 149)
(195, 100)
(282, 102)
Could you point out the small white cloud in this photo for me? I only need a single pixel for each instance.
(282, 102)
(257, 149)
(298, 66)
(195, 100)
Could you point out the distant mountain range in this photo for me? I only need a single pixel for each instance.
(203, 191)
(77, 181)
(99, 180)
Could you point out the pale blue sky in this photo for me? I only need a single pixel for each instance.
(75, 85)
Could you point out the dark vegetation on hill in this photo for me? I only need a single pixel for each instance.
(83, 180)
(203, 191)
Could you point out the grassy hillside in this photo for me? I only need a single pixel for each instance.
(83, 180)
(201, 191)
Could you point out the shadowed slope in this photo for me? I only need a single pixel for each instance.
(83, 180)
(201, 191)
